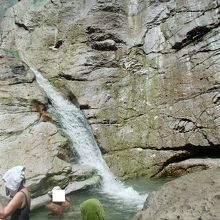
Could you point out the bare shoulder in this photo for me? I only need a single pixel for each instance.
(18, 196)
(25, 190)
(26, 197)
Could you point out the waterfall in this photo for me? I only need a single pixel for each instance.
(76, 126)
(135, 21)
(133, 16)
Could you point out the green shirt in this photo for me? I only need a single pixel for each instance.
(92, 209)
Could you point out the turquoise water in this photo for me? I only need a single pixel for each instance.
(114, 209)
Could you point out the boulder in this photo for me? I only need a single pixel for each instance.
(85, 176)
(104, 45)
(194, 196)
(82, 177)
(189, 166)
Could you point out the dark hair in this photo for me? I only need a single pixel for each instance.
(22, 184)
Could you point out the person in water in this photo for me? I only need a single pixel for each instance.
(58, 207)
(19, 206)
(92, 209)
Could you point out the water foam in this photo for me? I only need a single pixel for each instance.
(84, 143)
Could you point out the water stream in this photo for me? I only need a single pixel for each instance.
(84, 143)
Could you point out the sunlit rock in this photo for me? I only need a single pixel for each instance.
(144, 72)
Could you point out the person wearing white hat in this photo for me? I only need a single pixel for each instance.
(19, 206)
(59, 204)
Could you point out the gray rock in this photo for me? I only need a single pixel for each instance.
(189, 166)
(157, 91)
(194, 196)
(28, 134)
(104, 45)
(25, 139)
(71, 187)
(4, 200)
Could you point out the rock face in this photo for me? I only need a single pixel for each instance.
(194, 196)
(144, 72)
(28, 135)
(27, 139)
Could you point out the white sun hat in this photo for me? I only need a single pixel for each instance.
(54, 189)
(57, 194)
(14, 177)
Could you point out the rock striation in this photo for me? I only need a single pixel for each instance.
(145, 73)
(28, 134)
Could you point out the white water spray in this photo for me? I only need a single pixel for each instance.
(76, 126)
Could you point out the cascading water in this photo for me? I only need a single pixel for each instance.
(135, 21)
(77, 128)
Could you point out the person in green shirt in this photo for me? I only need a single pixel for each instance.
(92, 209)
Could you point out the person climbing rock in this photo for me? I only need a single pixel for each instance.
(19, 206)
(92, 209)
(58, 207)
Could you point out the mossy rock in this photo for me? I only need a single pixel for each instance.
(8, 52)
(49, 41)
(76, 33)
